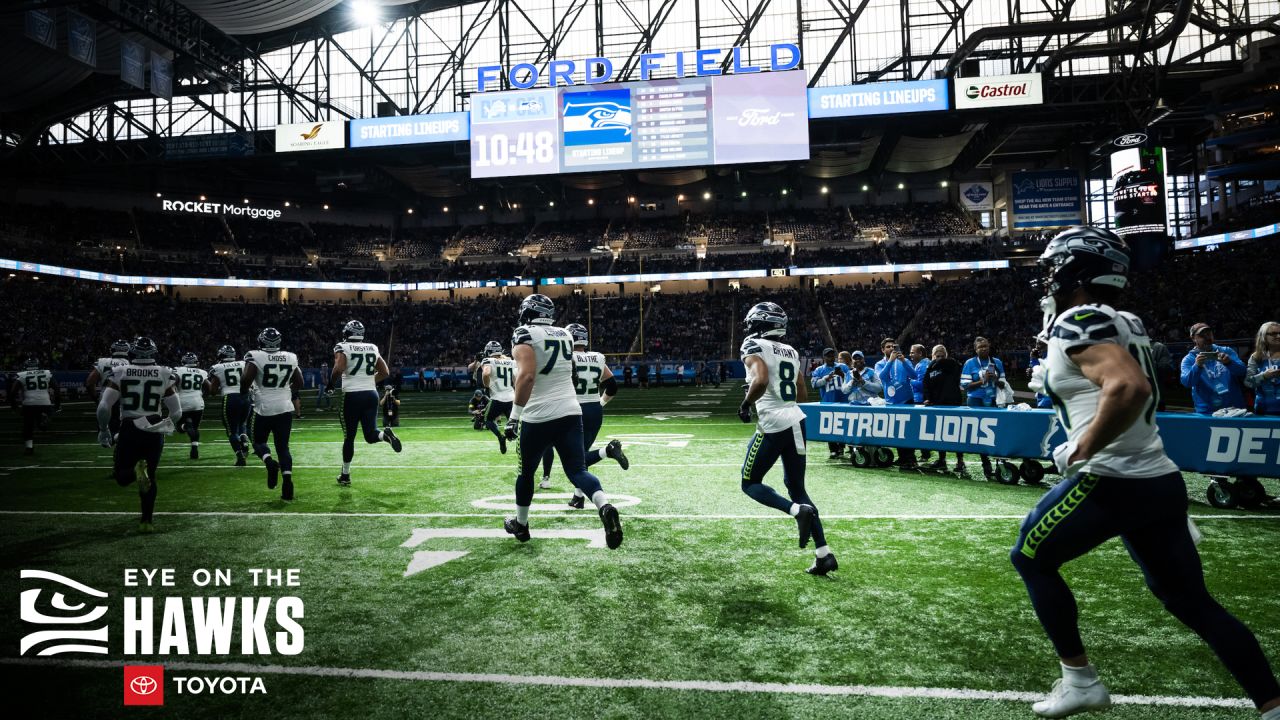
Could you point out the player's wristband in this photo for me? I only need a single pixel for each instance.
(517, 411)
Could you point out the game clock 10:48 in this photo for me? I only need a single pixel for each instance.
(514, 133)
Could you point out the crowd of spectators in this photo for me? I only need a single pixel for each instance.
(569, 237)
(914, 220)
(938, 251)
(491, 239)
(744, 228)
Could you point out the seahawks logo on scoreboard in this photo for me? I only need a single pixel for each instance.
(597, 118)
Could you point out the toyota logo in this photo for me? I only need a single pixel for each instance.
(143, 685)
(1130, 140)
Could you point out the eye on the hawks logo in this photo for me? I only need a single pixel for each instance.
(70, 621)
(143, 684)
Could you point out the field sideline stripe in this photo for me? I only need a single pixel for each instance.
(716, 686)
(566, 514)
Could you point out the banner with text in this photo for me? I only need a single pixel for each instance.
(82, 39)
(999, 91)
(878, 98)
(133, 64)
(1046, 198)
(323, 135)
(410, 130)
(977, 196)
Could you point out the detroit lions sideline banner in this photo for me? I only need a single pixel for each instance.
(1228, 446)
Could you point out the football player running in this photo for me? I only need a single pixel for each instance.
(594, 383)
(1118, 481)
(101, 371)
(361, 368)
(774, 384)
(39, 395)
(498, 376)
(546, 414)
(192, 381)
(273, 373)
(141, 387)
(225, 379)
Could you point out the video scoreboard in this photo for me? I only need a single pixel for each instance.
(708, 120)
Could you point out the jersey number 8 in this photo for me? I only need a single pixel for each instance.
(787, 381)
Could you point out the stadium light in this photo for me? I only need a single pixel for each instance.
(326, 206)
(551, 204)
(286, 203)
(445, 208)
(784, 191)
(680, 197)
(631, 199)
(902, 186)
(705, 196)
(481, 208)
(944, 183)
(515, 206)
(825, 190)
(591, 201)
(365, 12)
(865, 188)
(246, 201)
(159, 194)
(203, 198)
(744, 193)
(410, 211)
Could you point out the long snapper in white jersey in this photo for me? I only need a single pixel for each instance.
(590, 369)
(362, 365)
(228, 374)
(274, 394)
(36, 385)
(191, 387)
(776, 408)
(553, 393)
(502, 378)
(1138, 451)
(142, 388)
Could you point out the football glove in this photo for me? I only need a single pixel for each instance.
(744, 411)
(1036, 383)
(104, 438)
(1062, 456)
(512, 426)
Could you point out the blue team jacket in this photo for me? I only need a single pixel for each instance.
(1204, 381)
(830, 392)
(896, 378)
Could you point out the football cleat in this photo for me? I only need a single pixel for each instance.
(390, 437)
(961, 470)
(577, 502)
(824, 565)
(516, 528)
(286, 490)
(546, 483)
(144, 480)
(804, 522)
(273, 472)
(614, 450)
(938, 466)
(244, 443)
(612, 526)
(146, 528)
(240, 459)
(344, 480)
(195, 452)
(1066, 699)
(502, 444)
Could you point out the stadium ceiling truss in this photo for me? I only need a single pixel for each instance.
(425, 61)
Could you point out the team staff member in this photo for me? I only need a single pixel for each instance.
(982, 375)
(1263, 373)
(919, 361)
(940, 387)
(863, 383)
(1212, 372)
(774, 384)
(896, 373)
(828, 379)
(1118, 479)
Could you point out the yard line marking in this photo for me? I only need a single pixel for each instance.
(567, 514)
(715, 686)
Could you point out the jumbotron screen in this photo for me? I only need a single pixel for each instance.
(714, 120)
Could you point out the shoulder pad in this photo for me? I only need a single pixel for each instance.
(521, 336)
(1086, 324)
(248, 356)
(339, 349)
(751, 346)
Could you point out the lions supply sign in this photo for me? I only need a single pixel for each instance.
(1046, 198)
(977, 196)
(999, 91)
(410, 130)
(878, 99)
(326, 135)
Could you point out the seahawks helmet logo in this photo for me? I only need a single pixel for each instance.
(226, 352)
(354, 330)
(493, 347)
(270, 339)
(587, 117)
(579, 333)
(120, 348)
(190, 359)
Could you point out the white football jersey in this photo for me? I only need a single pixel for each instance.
(35, 387)
(104, 364)
(590, 367)
(553, 394)
(142, 388)
(362, 365)
(191, 387)
(776, 408)
(272, 394)
(1138, 451)
(502, 378)
(228, 373)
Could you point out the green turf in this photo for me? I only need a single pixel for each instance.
(691, 595)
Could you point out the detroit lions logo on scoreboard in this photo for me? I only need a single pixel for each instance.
(597, 118)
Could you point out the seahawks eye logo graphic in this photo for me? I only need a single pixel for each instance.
(314, 132)
(71, 632)
(597, 116)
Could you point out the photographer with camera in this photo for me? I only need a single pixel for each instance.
(896, 373)
(1212, 372)
(1263, 372)
(981, 378)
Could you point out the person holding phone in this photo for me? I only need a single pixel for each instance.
(896, 372)
(828, 379)
(1212, 372)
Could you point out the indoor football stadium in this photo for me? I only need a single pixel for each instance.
(874, 359)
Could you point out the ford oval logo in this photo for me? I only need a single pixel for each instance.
(1130, 140)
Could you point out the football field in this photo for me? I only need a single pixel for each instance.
(418, 605)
